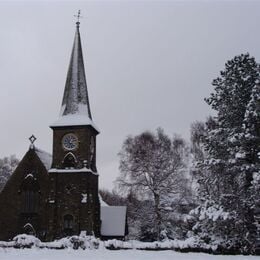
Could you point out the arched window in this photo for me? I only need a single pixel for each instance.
(69, 160)
(30, 194)
(68, 224)
(29, 229)
(30, 201)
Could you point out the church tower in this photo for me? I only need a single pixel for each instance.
(53, 196)
(73, 200)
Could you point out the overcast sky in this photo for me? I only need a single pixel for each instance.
(149, 64)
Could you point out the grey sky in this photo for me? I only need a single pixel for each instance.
(148, 64)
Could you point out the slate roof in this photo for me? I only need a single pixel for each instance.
(75, 109)
(45, 157)
(75, 98)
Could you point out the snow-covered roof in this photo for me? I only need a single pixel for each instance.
(74, 120)
(113, 220)
(102, 202)
(45, 158)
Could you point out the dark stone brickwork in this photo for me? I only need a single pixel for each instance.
(74, 194)
(84, 134)
(13, 218)
(63, 201)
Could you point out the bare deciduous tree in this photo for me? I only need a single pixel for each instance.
(7, 166)
(153, 167)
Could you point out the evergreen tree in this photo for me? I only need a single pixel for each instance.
(251, 153)
(230, 152)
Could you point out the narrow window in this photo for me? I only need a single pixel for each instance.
(68, 224)
(30, 201)
(30, 194)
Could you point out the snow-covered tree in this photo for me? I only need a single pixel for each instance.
(197, 153)
(112, 198)
(197, 133)
(231, 144)
(153, 168)
(7, 166)
(250, 151)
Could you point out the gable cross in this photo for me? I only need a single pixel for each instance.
(32, 139)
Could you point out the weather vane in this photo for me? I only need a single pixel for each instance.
(78, 17)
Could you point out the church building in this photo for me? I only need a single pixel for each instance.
(52, 196)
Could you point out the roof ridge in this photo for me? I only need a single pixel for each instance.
(41, 151)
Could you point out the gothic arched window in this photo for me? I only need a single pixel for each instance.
(29, 229)
(69, 160)
(30, 194)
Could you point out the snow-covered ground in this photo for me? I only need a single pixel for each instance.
(103, 254)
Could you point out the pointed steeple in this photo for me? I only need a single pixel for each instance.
(75, 109)
(75, 98)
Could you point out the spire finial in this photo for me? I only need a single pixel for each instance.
(78, 17)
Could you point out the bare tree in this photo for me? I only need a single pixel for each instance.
(152, 166)
(197, 133)
(7, 166)
(112, 198)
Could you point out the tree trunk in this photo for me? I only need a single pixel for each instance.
(158, 215)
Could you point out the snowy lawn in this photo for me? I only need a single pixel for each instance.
(103, 254)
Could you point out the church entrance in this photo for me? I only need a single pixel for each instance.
(68, 225)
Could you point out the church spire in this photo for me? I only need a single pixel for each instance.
(75, 109)
(75, 99)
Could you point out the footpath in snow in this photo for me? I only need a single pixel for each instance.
(104, 254)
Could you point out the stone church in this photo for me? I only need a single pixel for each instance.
(52, 196)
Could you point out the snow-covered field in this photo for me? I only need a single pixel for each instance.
(70, 254)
